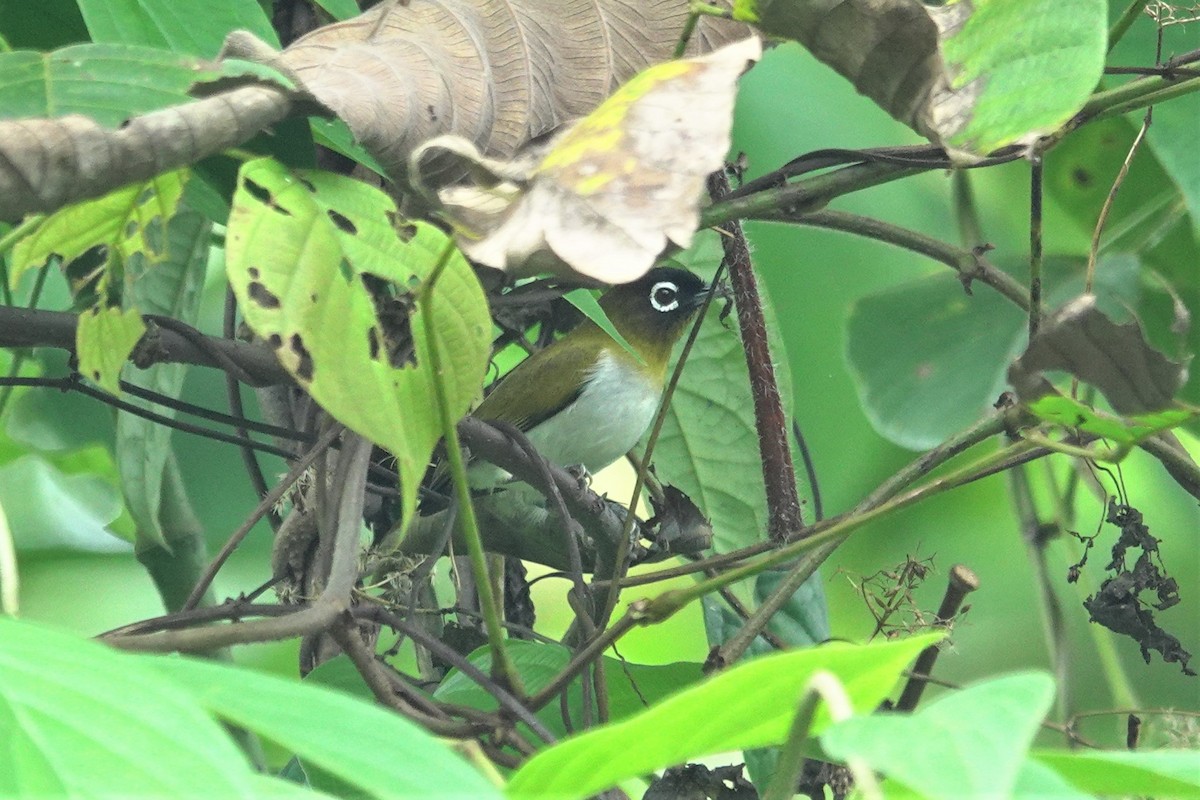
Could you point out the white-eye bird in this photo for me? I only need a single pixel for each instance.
(586, 400)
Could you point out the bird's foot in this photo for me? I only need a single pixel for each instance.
(581, 475)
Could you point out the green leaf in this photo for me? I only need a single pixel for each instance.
(630, 686)
(1156, 773)
(972, 743)
(171, 288)
(197, 27)
(1174, 120)
(589, 306)
(1148, 216)
(1026, 66)
(750, 705)
(367, 747)
(1038, 782)
(79, 720)
(106, 82)
(49, 509)
(334, 134)
(971, 76)
(104, 339)
(321, 274)
(1063, 410)
(928, 359)
(119, 222)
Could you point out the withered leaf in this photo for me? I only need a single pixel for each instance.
(1115, 358)
(614, 189)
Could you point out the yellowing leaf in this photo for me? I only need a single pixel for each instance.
(104, 339)
(323, 275)
(118, 221)
(615, 189)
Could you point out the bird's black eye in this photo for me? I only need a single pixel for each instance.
(664, 296)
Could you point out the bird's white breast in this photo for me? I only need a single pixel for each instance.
(612, 412)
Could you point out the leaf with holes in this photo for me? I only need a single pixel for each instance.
(614, 189)
(104, 339)
(322, 273)
(115, 225)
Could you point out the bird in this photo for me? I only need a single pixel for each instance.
(585, 400)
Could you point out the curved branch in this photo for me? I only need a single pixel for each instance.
(47, 163)
(351, 481)
(25, 327)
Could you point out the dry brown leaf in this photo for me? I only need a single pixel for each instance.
(1115, 358)
(613, 190)
(496, 72)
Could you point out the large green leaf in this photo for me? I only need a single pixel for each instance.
(750, 705)
(1154, 773)
(322, 275)
(630, 686)
(197, 27)
(970, 743)
(360, 743)
(928, 359)
(106, 82)
(171, 288)
(79, 720)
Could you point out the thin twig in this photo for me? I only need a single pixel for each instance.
(269, 501)
(351, 479)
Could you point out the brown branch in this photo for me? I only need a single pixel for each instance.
(350, 479)
(779, 474)
(23, 327)
(48, 163)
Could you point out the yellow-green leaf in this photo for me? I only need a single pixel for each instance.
(118, 221)
(104, 339)
(325, 274)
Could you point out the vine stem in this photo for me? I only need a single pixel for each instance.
(667, 603)
(822, 686)
(502, 667)
(779, 474)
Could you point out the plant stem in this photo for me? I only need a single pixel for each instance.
(779, 474)
(667, 603)
(176, 565)
(804, 195)
(1124, 22)
(502, 667)
(1035, 243)
(969, 264)
(1133, 95)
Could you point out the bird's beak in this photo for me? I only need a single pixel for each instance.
(720, 291)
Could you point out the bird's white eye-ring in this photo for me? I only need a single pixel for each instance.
(664, 296)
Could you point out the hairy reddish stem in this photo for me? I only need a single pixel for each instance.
(779, 475)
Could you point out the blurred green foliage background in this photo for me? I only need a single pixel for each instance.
(788, 105)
